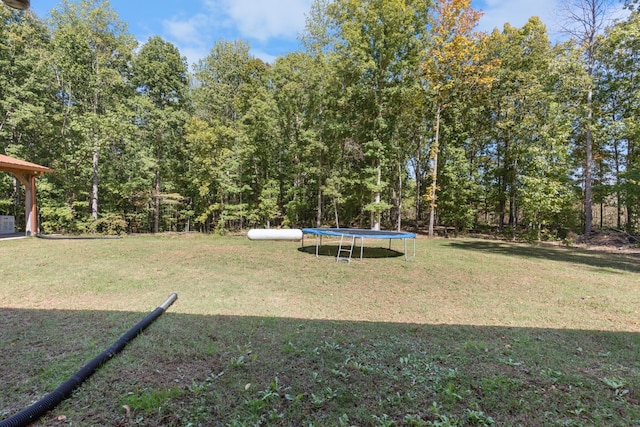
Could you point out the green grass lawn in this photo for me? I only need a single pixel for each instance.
(470, 332)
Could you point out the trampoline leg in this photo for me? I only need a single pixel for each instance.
(318, 239)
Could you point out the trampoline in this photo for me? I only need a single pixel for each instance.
(348, 237)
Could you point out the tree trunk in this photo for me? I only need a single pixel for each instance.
(319, 212)
(399, 196)
(601, 214)
(158, 185)
(375, 215)
(156, 203)
(94, 187)
(588, 217)
(616, 159)
(513, 202)
(502, 202)
(503, 179)
(435, 148)
(418, 175)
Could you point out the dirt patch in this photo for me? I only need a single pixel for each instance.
(609, 241)
(608, 238)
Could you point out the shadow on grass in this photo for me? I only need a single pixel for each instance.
(228, 370)
(331, 250)
(592, 258)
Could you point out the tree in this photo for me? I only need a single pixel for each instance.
(264, 148)
(215, 135)
(26, 99)
(379, 46)
(327, 157)
(25, 92)
(160, 76)
(456, 176)
(299, 89)
(92, 53)
(528, 131)
(618, 81)
(584, 21)
(454, 65)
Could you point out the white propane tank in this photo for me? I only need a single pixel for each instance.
(274, 234)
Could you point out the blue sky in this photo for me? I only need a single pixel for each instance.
(270, 26)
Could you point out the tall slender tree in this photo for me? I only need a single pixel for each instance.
(302, 90)
(455, 65)
(618, 78)
(160, 76)
(585, 20)
(379, 48)
(26, 99)
(92, 51)
(216, 137)
(519, 101)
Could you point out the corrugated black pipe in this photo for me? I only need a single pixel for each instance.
(51, 400)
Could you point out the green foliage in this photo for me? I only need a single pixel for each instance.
(57, 219)
(343, 133)
(378, 49)
(111, 224)
(6, 205)
(619, 131)
(159, 75)
(149, 400)
(26, 87)
(268, 205)
(91, 56)
(456, 202)
(529, 160)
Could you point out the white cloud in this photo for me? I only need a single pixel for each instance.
(188, 30)
(190, 35)
(263, 20)
(267, 25)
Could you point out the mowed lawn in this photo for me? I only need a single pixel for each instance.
(470, 332)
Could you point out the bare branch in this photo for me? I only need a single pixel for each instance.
(584, 20)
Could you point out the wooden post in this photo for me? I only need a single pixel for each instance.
(34, 206)
(30, 205)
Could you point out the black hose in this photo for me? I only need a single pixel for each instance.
(78, 237)
(51, 400)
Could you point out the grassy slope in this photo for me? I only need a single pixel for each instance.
(470, 332)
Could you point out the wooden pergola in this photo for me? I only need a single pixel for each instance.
(26, 173)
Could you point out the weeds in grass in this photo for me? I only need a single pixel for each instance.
(477, 334)
(618, 385)
(150, 401)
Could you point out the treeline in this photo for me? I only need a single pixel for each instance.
(397, 113)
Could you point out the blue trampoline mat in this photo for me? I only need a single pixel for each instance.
(360, 233)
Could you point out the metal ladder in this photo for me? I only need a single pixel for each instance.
(343, 249)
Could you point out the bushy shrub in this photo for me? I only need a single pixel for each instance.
(111, 224)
